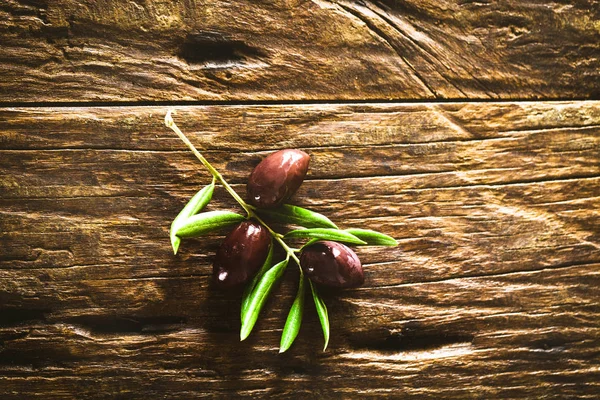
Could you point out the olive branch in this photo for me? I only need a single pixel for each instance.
(191, 222)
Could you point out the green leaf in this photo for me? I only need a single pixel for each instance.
(200, 224)
(324, 233)
(294, 319)
(373, 238)
(175, 242)
(196, 203)
(259, 297)
(299, 216)
(322, 312)
(250, 287)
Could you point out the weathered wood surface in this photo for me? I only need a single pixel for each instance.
(288, 50)
(493, 292)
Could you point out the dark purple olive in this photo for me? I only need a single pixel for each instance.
(332, 264)
(276, 178)
(241, 254)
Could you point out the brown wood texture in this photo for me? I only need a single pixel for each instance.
(103, 50)
(493, 292)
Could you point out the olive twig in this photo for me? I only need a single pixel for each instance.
(247, 251)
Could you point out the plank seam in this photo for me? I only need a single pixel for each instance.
(182, 103)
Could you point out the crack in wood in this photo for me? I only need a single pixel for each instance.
(14, 316)
(520, 182)
(565, 265)
(413, 337)
(124, 324)
(379, 33)
(271, 149)
(213, 50)
(431, 58)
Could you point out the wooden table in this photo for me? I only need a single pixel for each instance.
(468, 130)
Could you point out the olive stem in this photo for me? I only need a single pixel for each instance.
(216, 175)
(171, 124)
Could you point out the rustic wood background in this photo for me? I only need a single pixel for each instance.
(468, 130)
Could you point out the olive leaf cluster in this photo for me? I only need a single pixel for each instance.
(259, 281)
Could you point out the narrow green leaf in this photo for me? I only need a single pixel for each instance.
(259, 297)
(196, 203)
(299, 216)
(324, 233)
(322, 312)
(200, 224)
(294, 319)
(373, 238)
(250, 286)
(175, 242)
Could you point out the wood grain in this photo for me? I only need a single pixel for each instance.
(73, 51)
(492, 293)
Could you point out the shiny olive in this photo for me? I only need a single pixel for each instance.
(332, 264)
(241, 254)
(276, 178)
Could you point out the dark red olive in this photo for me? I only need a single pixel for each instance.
(332, 264)
(276, 178)
(241, 254)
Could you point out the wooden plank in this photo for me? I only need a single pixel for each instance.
(519, 335)
(493, 291)
(73, 51)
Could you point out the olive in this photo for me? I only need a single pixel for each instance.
(276, 178)
(241, 254)
(332, 264)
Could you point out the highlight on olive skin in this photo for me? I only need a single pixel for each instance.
(276, 178)
(332, 264)
(241, 255)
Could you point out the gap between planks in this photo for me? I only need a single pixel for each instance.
(183, 103)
